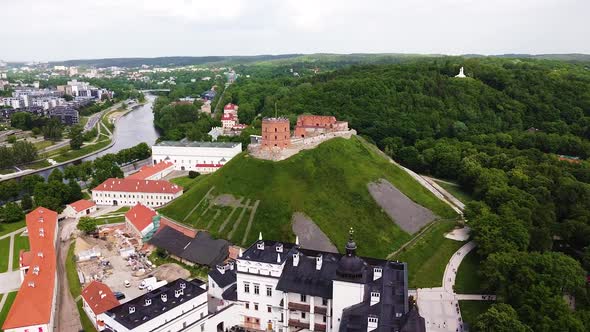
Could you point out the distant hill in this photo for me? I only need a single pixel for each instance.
(169, 61)
(328, 184)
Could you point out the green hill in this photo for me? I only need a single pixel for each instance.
(328, 183)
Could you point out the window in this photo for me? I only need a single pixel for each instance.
(324, 301)
(268, 291)
(202, 327)
(268, 308)
(256, 306)
(303, 315)
(256, 289)
(303, 298)
(247, 305)
(324, 318)
(246, 287)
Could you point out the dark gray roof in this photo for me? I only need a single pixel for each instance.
(205, 250)
(144, 313)
(198, 144)
(171, 240)
(230, 294)
(269, 253)
(223, 279)
(202, 249)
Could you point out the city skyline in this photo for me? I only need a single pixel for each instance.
(115, 29)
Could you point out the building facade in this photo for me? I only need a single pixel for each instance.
(276, 133)
(203, 157)
(314, 125)
(79, 209)
(129, 192)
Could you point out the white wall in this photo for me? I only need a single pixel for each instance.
(345, 294)
(70, 212)
(132, 198)
(189, 157)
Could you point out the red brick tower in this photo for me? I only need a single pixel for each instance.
(276, 133)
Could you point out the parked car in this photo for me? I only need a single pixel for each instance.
(119, 296)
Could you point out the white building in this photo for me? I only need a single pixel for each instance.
(129, 192)
(228, 120)
(285, 288)
(96, 299)
(79, 209)
(153, 172)
(203, 157)
(178, 306)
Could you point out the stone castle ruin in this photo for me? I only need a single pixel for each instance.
(276, 142)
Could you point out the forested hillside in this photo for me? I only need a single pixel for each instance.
(499, 133)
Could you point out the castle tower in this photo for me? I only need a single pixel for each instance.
(276, 133)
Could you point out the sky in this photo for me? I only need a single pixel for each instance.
(49, 30)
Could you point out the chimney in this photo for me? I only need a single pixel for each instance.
(373, 323)
(131, 309)
(295, 259)
(375, 297)
(377, 272)
(164, 297)
(318, 262)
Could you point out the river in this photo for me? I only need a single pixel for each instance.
(131, 129)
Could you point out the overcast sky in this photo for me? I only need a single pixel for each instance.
(44, 30)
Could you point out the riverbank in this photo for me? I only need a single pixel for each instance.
(87, 151)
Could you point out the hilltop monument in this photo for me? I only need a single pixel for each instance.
(461, 74)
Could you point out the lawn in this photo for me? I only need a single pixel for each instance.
(429, 255)
(470, 310)
(468, 279)
(457, 191)
(110, 220)
(43, 144)
(11, 227)
(72, 273)
(4, 249)
(37, 164)
(7, 171)
(20, 242)
(9, 300)
(72, 154)
(199, 272)
(328, 183)
(186, 182)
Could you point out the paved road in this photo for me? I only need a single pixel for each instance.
(445, 193)
(11, 252)
(68, 318)
(453, 265)
(9, 282)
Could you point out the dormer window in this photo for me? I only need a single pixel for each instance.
(131, 309)
(148, 302)
(164, 297)
(178, 292)
(182, 285)
(260, 245)
(280, 247)
(36, 270)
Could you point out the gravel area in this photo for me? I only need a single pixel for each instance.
(409, 216)
(310, 235)
(227, 200)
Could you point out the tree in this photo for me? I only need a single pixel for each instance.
(76, 137)
(75, 192)
(193, 174)
(495, 234)
(500, 317)
(53, 129)
(56, 175)
(87, 225)
(26, 202)
(24, 152)
(68, 97)
(12, 212)
(21, 120)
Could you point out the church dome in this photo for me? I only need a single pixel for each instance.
(350, 265)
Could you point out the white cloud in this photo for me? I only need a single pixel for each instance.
(64, 29)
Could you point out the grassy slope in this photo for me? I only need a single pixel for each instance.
(456, 191)
(429, 255)
(9, 300)
(468, 280)
(186, 182)
(328, 183)
(11, 227)
(20, 242)
(4, 250)
(71, 273)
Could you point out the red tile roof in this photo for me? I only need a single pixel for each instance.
(26, 257)
(99, 297)
(139, 186)
(140, 216)
(149, 170)
(230, 106)
(82, 205)
(33, 302)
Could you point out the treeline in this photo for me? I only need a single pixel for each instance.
(19, 153)
(179, 120)
(95, 107)
(51, 128)
(497, 133)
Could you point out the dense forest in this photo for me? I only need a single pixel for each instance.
(500, 133)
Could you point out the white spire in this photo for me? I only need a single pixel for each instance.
(461, 74)
(297, 240)
(241, 253)
(278, 258)
(260, 236)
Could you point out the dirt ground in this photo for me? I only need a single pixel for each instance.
(409, 216)
(227, 200)
(310, 235)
